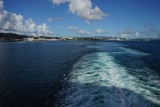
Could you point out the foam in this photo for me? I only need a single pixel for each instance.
(97, 80)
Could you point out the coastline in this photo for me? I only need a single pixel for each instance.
(10, 37)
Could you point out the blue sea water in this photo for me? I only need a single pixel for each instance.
(80, 74)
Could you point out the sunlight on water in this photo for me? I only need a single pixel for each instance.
(98, 80)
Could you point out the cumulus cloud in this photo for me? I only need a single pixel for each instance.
(59, 1)
(128, 33)
(83, 32)
(147, 33)
(151, 28)
(16, 22)
(78, 31)
(54, 19)
(1, 5)
(87, 22)
(83, 8)
(100, 31)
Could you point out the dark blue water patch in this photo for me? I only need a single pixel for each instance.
(152, 47)
(31, 73)
(107, 46)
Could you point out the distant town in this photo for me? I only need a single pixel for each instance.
(10, 37)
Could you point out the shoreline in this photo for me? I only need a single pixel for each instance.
(10, 37)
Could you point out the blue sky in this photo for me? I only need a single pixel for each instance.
(81, 18)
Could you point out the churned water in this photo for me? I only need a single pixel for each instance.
(114, 77)
(80, 74)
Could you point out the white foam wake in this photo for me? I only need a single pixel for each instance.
(98, 81)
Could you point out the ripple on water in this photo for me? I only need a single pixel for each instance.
(98, 81)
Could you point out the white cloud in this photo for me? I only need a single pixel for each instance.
(87, 22)
(83, 8)
(54, 19)
(128, 33)
(83, 32)
(137, 34)
(78, 31)
(149, 32)
(99, 31)
(1, 5)
(59, 1)
(16, 22)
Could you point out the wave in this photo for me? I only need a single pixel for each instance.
(98, 80)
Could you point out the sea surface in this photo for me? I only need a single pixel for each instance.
(80, 74)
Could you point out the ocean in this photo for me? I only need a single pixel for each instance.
(80, 74)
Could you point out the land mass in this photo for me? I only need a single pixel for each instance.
(10, 37)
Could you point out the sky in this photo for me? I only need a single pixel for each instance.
(122, 18)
